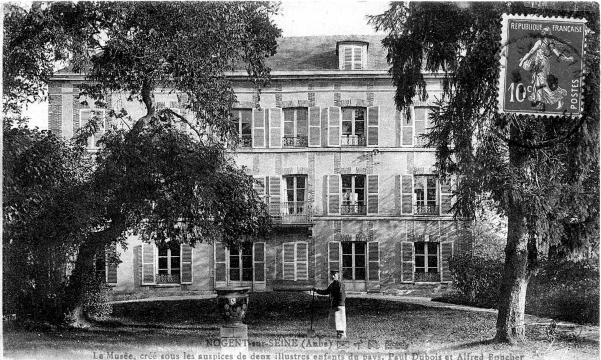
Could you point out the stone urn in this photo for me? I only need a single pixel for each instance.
(233, 303)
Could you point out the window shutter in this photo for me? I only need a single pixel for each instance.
(372, 194)
(111, 264)
(333, 194)
(259, 261)
(334, 120)
(288, 261)
(275, 128)
(259, 186)
(446, 253)
(302, 261)
(84, 117)
(357, 58)
(324, 126)
(348, 58)
(406, 194)
(397, 194)
(258, 128)
(372, 125)
(407, 127)
(160, 105)
(274, 195)
(373, 253)
(407, 261)
(420, 119)
(314, 126)
(333, 257)
(186, 264)
(148, 273)
(446, 196)
(220, 263)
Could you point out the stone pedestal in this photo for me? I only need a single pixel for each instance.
(233, 304)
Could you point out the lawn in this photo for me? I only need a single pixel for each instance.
(278, 322)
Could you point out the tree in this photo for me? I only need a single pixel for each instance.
(151, 177)
(542, 173)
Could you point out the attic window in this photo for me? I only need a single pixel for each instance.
(352, 55)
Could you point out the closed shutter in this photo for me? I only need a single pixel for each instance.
(333, 257)
(372, 125)
(372, 194)
(258, 128)
(148, 273)
(334, 120)
(186, 264)
(348, 58)
(220, 264)
(274, 195)
(302, 261)
(111, 264)
(357, 64)
(420, 120)
(259, 261)
(333, 194)
(407, 127)
(446, 196)
(288, 261)
(397, 194)
(275, 128)
(314, 127)
(407, 261)
(259, 186)
(446, 252)
(407, 194)
(373, 253)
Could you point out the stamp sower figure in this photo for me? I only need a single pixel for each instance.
(337, 317)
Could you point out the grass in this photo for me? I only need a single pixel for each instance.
(169, 328)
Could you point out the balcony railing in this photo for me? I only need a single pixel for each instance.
(352, 140)
(167, 279)
(295, 141)
(426, 210)
(246, 141)
(356, 208)
(294, 212)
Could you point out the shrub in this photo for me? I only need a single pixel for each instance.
(477, 279)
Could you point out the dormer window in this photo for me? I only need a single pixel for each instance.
(352, 55)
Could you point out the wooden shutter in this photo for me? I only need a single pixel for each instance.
(274, 195)
(334, 120)
(259, 261)
(258, 128)
(357, 63)
(186, 264)
(420, 120)
(407, 194)
(259, 186)
(275, 128)
(372, 125)
(111, 264)
(302, 261)
(333, 194)
(446, 252)
(148, 271)
(446, 196)
(333, 257)
(348, 58)
(373, 256)
(220, 264)
(314, 126)
(407, 127)
(288, 261)
(407, 261)
(372, 194)
(397, 194)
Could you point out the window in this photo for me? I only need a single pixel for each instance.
(241, 263)
(295, 193)
(425, 190)
(353, 126)
(100, 266)
(242, 120)
(169, 263)
(105, 265)
(295, 127)
(352, 57)
(234, 265)
(85, 115)
(426, 261)
(421, 121)
(353, 194)
(295, 259)
(353, 260)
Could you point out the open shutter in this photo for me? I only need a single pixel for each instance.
(407, 261)
(275, 128)
(302, 261)
(148, 273)
(407, 128)
(372, 125)
(186, 264)
(446, 196)
(314, 126)
(373, 253)
(407, 194)
(333, 257)
(372, 194)
(274, 195)
(397, 194)
(288, 261)
(258, 128)
(111, 264)
(446, 252)
(420, 119)
(220, 264)
(333, 194)
(259, 186)
(259, 261)
(334, 120)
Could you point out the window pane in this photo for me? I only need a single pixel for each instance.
(347, 128)
(246, 130)
(360, 114)
(433, 264)
(245, 116)
(235, 274)
(174, 249)
(234, 262)
(347, 114)
(301, 114)
(233, 251)
(300, 182)
(247, 249)
(359, 260)
(432, 248)
(346, 182)
(419, 261)
(163, 251)
(247, 274)
(359, 181)
(419, 270)
(347, 260)
(359, 248)
(359, 127)
(162, 263)
(174, 263)
(288, 128)
(360, 274)
(347, 273)
(247, 261)
(289, 182)
(421, 113)
(419, 247)
(288, 114)
(300, 195)
(290, 195)
(347, 247)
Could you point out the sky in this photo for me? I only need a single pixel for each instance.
(296, 18)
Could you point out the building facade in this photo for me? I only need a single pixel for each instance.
(347, 178)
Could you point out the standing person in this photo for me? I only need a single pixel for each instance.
(337, 317)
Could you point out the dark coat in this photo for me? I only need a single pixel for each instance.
(337, 293)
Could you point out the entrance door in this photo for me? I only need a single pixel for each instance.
(354, 265)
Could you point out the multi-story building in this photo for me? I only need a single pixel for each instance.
(347, 177)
